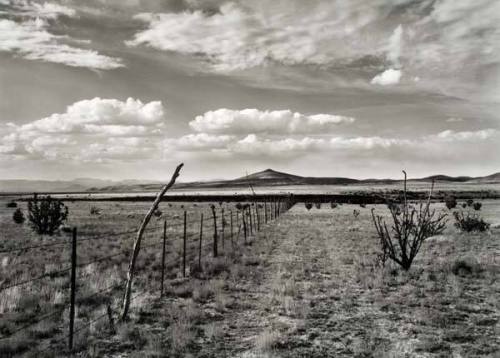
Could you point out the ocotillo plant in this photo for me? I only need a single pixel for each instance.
(411, 227)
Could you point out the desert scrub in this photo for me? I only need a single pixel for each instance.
(470, 222)
(18, 216)
(46, 215)
(410, 228)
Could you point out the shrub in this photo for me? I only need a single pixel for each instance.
(362, 205)
(308, 206)
(18, 216)
(158, 213)
(333, 205)
(469, 202)
(477, 206)
(46, 214)
(450, 202)
(470, 222)
(464, 205)
(318, 205)
(12, 204)
(410, 228)
(95, 210)
(355, 213)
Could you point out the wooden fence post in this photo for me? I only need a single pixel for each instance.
(250, 218)
(215, 229)
(184, 246)
(137, 243)
(201, 238)
(223, 219)
(265, 210)
(163, 257)
(243, 215)
(257, 215)
(231, 223)
(73, 291)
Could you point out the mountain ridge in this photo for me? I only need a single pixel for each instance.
(267, 177)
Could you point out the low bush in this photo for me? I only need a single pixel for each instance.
(95, 210)
(450, 202)
(12, 204)
(47, 214)
(470, 222)
(477, 206)
(308, 206)
(318, 205)
(333, 205)
(18, 216)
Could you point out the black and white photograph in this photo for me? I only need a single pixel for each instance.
(250, 178)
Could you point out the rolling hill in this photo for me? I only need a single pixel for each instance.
(268, 177)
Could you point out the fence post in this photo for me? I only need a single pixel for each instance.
(163, 257)
(257, 215)
(243, 214)
(201, 237)
(184, 246)
(222, 219)
(250, 218)
(215, 229)
(73, 291)
(231, 223)
(265, 210)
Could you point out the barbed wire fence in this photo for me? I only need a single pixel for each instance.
(208, 234)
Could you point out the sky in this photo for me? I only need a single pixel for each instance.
(127, 89)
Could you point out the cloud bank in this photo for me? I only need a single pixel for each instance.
(25, 32)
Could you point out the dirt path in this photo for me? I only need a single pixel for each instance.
(316, 293)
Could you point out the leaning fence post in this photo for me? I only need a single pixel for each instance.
(201, 237)
(215, 229)
(184, 239)
(73, 290)
(163, 257)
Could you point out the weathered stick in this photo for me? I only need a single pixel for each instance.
(137, 243)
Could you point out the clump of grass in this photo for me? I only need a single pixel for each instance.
(267, 341)
(130, 333)
(94, 210)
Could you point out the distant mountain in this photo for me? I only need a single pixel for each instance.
(268, 177)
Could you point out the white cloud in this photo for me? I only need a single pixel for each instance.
(31, 39)
(89, 128)
(197, 142)
(454, 120)
(256, 121)
(250, 34)
(394, 48)
(388, 77)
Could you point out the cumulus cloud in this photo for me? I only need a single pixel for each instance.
(88, 128)
(256, 121)
(388, 77)
(30, 37)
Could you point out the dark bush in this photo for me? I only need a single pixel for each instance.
(46, 214)
(469, 202)
(362, 205)
(308, 206)
(318, 205)
(470, 222)
(464, 205)
(18, 216)
(333, 205)
(477, 206)
(355, 213)
(12, 204)
(95, 210)
(450, 202)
